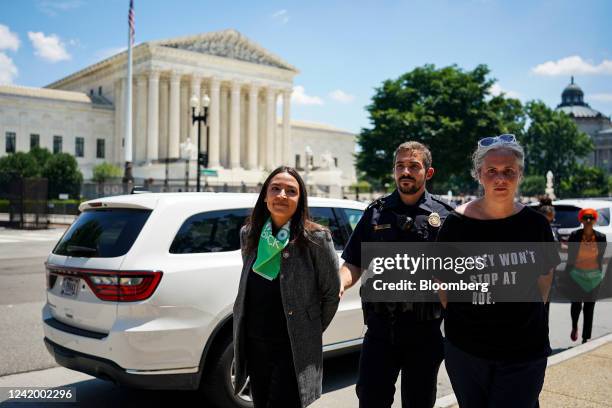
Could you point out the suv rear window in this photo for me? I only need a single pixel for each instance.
(102, 233)
(212, 231)
(566, 216)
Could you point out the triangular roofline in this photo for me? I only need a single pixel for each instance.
(160, 43)
(206, 36)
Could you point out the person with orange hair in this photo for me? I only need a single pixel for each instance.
(586, 248)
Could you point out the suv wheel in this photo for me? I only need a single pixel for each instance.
(219, 385)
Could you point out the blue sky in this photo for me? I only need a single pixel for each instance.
(343, 49)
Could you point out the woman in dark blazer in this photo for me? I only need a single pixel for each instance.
(584, 271)
(287, 296)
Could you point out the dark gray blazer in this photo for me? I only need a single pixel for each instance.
(310, 286)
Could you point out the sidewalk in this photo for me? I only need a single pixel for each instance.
(584, 381)
(577, 378)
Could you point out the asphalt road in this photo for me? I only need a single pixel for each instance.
(22, 295)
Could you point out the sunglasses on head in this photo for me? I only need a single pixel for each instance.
(506, 138)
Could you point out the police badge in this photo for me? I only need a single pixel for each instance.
(434, 219)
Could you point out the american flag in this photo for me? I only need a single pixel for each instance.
(131, 21)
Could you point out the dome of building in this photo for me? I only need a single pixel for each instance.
(573, 104)
(572, 95)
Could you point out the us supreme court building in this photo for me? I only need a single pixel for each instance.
(249, 117)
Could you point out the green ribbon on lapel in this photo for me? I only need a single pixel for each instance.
(269, 250)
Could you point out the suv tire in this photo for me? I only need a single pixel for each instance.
(218, 385)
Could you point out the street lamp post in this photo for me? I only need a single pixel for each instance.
(187, 148)
(200, 114)
(307, 166)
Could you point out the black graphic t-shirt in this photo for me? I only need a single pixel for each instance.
(500, 331)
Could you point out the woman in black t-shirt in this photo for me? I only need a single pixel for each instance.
(496, 353)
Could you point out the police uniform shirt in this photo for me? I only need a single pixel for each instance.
(382, 220)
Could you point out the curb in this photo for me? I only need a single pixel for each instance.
(450, 399)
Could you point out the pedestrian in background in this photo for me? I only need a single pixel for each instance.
(548, 210)
(585, 252)
(287, 296)
(496, 353)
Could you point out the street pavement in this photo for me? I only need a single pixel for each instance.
(24, 361)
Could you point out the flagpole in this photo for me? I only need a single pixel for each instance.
(127, 177)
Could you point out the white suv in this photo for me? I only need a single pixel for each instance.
(140, 290)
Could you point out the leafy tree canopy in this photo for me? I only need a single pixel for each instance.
(585, 181)
(104, 171)
(553, 142)
(448, 109)
(63, 174)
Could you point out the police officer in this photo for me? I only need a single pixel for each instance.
(401, 336)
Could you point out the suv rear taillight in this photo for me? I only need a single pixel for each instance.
(112, 286)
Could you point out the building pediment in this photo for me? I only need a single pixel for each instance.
(227, 44)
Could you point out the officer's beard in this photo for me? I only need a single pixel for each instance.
(416, 186)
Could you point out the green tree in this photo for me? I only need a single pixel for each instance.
(448, 109)
(41, 155)
(532, 186)
(17, 165)
(553, 142)
(63, 174)
(585, 181)
(104, 171)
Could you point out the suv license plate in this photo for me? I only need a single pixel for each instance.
(69, 287)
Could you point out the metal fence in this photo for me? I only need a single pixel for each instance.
(91, 190)
(27, 203)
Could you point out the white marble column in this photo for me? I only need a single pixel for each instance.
(224, 127)
(287, 142)
(270, 125)
(153, 117)
(196, 86)
(185, 118)
(213, 111)
(278, 141)
(163, 118)
(262, 127)
(234, 142)
(252, 131)
(140, 141)
(174, 127)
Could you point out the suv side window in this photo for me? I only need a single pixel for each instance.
(352, 217)
(603, 219)
(212, 231)
(325, 216)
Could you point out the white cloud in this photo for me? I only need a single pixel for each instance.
(53, 8)
(571, 66)
(601, 97)
(8, 70)
(299, 97)
(340, 96)
(497, 89)
(282, 16)
(49, 48)
(8, 39)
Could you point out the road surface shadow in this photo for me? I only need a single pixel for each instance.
(339, 372)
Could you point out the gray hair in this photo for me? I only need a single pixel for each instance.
(482, 151)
